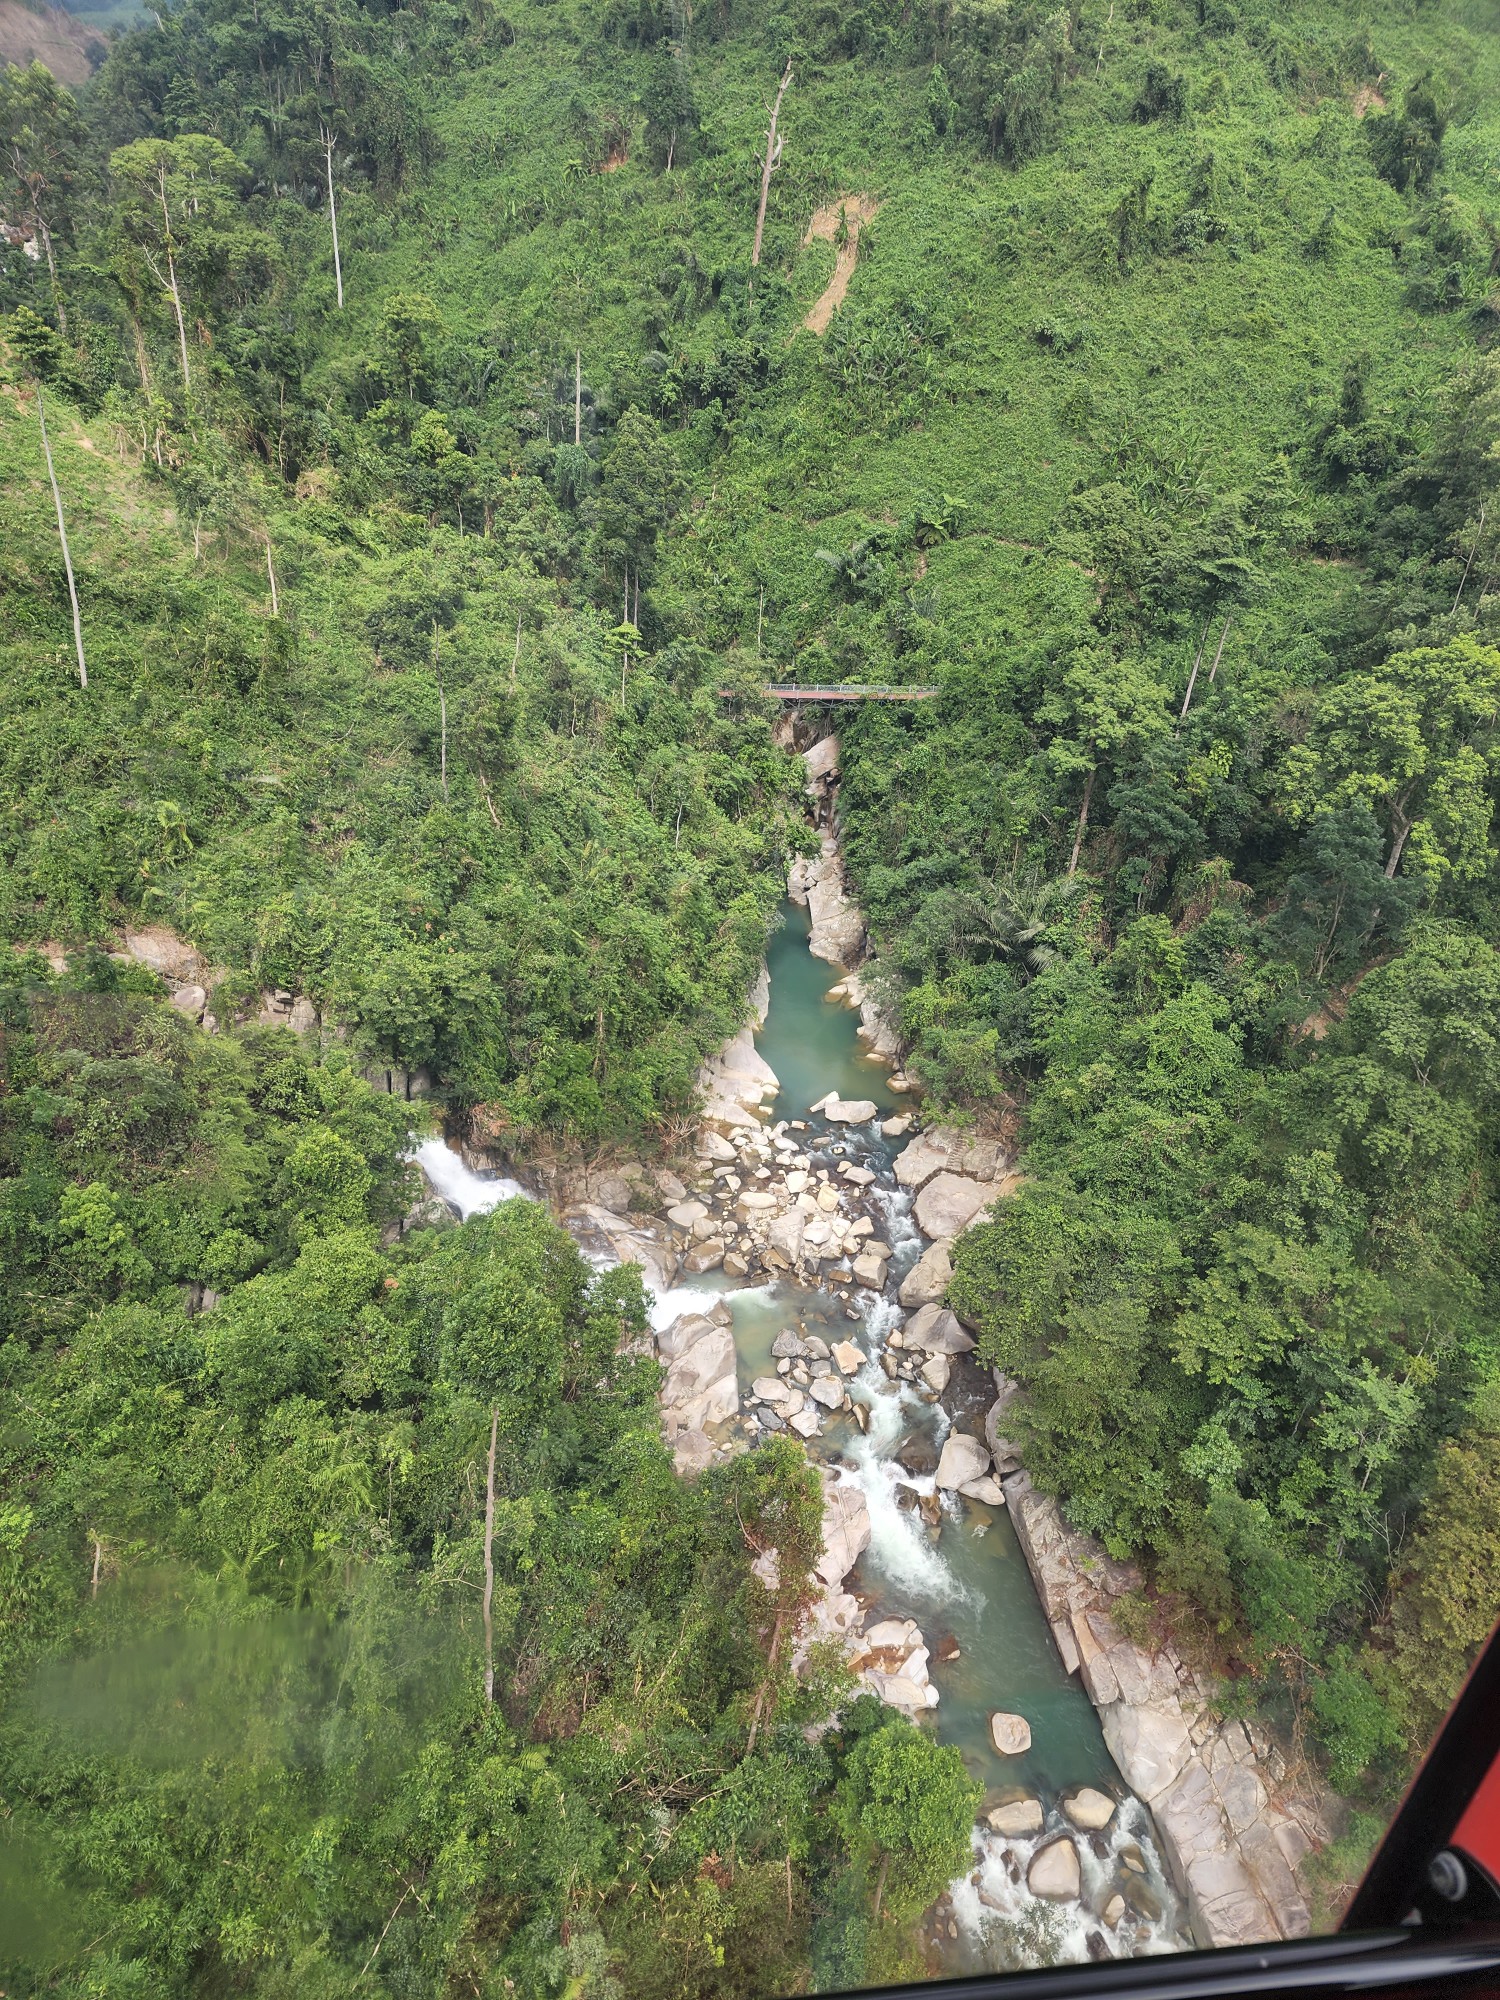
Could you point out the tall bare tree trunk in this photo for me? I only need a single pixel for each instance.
(271, 573)
(142, 360)
(1396, 846)
(442, 715)
(1197, 663)
(333, 216)
(772, 162)
(1213, 672)
(760, 1699)
(885, 1863)
(62, 536)
(516, 657)
(57, 298)
(172, 285)
(489, 1560)
(1083, 820)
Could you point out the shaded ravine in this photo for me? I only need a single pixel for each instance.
(951, 1564)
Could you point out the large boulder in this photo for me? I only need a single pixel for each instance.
(168, 955)
(701, 1386)
(684, 1332)
(1003, 1450)
(941, 1149)
(1150, 1745)
(1010, 1734)
(928, 1279)
(785, 1234)
(1015, 1818)
(949, 1203)
(920, 1159)
(1090, 1809)
(1054, 1872)
(693, 1452)
(963, 1459)
(849, 1111)
(822, 761)
(846, 1528)
(935, 1330)
(988, 1490)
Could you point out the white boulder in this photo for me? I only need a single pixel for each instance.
(1010, 1734)
(1054, 1872)
(1015, 1818)
(1090, 1809)
(963, 1459)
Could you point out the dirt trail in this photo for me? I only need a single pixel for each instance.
(857, 210)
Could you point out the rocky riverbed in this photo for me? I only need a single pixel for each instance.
(798, 1261)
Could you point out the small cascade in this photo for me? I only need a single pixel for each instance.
(1004, 1928)
(904, 1555)
(458, 1184)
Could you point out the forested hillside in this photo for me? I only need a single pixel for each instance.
(432, 458)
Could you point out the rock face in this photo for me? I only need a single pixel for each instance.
(838, 929)
(644, 1243)
(948, 1203)
(928, 1279)
(942, 1149)
(700, 1386)
(935, 1330)
(1230, 1828)
(738, 1075)
(822, 761)
(1054, 1872)
(1011, 1734)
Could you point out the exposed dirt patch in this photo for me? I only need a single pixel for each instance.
(855, 210)
(1367, 98)
(71, 51)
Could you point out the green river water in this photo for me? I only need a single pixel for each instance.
(968, 1580)
(963, 1579)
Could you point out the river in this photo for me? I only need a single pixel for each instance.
(962, 1576)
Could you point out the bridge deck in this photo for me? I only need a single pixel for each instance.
(843, 692)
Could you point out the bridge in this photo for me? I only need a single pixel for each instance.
(846, 691)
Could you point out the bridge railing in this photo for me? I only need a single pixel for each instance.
(840, 691)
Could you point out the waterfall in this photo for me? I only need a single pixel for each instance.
(458, 1184)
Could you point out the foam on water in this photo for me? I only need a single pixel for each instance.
(902, 1551)
(469, 1193)
(1007, 1929)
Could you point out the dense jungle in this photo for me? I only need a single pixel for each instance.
(412, 479)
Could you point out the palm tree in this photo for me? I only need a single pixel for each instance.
(1009, 917)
